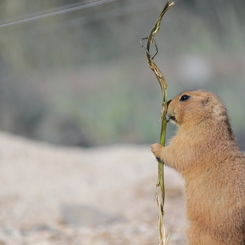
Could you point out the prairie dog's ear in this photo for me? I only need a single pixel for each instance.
(206, 101)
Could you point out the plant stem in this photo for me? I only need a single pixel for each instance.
(160, 198)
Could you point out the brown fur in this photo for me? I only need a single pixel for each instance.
(205, 153)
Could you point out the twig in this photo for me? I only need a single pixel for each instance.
(160, 189)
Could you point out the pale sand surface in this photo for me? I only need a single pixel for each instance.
(71, 196)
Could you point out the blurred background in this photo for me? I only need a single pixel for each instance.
(73, 73)
(80, 77)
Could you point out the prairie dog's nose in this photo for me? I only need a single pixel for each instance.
(168, 102)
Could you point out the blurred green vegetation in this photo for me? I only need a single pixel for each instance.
(81, 78)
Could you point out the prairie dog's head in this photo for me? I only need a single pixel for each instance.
(192, 107)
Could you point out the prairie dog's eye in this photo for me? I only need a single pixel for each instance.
(184, 97)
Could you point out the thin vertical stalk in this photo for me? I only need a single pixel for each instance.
(160, 189)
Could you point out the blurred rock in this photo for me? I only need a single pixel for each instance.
(81, 215)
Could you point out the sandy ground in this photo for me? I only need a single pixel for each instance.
(72, 196)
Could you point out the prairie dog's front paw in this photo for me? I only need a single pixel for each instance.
(156, 150)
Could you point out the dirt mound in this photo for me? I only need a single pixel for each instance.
(56, 195)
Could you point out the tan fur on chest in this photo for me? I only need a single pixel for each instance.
(205, 153)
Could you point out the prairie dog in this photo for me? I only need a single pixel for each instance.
(205, 153)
